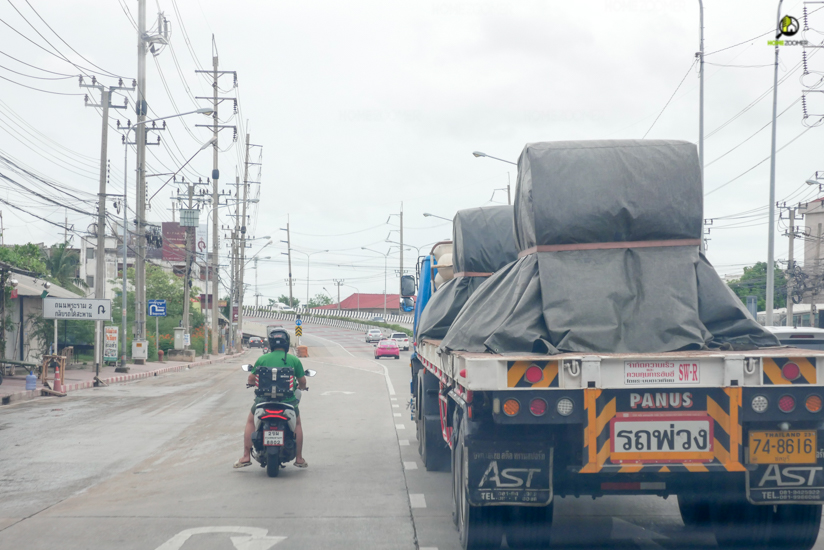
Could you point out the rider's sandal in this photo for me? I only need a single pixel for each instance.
(240, 464)
(303, 464)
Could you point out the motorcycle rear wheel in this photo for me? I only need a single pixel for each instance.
(273, 463)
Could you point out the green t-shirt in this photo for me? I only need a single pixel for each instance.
(275, 360)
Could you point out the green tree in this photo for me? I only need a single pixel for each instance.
(754, 283)
(284, 299)
(61, 263)
(24, 256)
(319, 299)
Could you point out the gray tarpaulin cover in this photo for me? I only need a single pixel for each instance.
(620, 300)
(483, 242)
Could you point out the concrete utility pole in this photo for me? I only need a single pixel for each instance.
(700, 56)
(790, 266)
(100, 252)
(242, 264)
(257, 294)
(400, 278)
(339, 283)
(140, 197)
(817, 274)
(288, 242)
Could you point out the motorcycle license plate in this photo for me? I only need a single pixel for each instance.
(792, 447)
(273, 438)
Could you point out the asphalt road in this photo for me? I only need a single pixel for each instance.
(148, 465)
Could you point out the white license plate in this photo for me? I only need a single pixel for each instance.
(647, 438)
(273, 438)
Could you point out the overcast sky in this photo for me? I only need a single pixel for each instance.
(361, 106)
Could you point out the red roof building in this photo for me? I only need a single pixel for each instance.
(372, 303)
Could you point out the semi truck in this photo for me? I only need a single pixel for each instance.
(610, 359)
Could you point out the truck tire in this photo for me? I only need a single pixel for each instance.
(529, 526)
(480, 527)
(739, 524)
(695, 511)
(795, 526)
(433, 449)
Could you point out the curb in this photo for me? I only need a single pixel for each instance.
(26, 395)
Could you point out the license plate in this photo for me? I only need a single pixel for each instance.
(651, 437)
(273, 438)
(794, 447)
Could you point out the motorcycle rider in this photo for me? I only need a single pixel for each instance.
(278, 356)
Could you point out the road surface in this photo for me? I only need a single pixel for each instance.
(148, 465)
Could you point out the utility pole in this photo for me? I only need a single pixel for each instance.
(790, 270)
(242, 263)
(817, 274)
(400, 278)
(288, 242)
(338, 282)
(100, 252)
(257, 294)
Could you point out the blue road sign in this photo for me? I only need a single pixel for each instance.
(298, 322)
(157, 308)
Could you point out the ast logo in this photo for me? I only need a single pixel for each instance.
(661, 400)
(514, 477)
(794, 476)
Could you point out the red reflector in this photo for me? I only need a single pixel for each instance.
(534, 374)
(462, 373)
(537, 406)
(786, 404)
(790, 371)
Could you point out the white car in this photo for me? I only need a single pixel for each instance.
(799, 337)
(401, 339)
(374, 335)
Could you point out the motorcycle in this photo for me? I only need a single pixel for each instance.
(273, 441)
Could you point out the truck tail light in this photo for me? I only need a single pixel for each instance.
(511, 407)
(813, 403)
(534, 374)
(537, 406)
(759, 403)
(786, 403)
(790, 371)
(564, 406)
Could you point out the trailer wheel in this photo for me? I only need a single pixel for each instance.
(739, 524)
(479, 526)
(529, 526)
(795, 526)
(695, 511)
(433, 449)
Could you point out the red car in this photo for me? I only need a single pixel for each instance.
(387, 348)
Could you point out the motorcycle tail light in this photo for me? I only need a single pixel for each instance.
(511, 407)
(534, 374)
(813, 403)
(786, 403)
(537, 406)
(790, 371)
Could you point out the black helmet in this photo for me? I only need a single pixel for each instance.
(278, 338)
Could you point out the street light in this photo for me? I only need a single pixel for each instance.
(358, 294)
(428, 215)
(385, 260)
(308, 259)
(479, 154)
(417, 248)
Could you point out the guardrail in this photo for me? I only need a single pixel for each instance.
(305, 313)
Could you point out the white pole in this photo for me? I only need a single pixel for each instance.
(701, 115)
(771, 236)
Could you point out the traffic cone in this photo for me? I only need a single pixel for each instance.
(58, 385)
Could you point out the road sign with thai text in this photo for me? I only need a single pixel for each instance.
(157, 308)
(81, 309)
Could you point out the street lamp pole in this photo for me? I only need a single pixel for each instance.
(771, 237)
(385, 260)
(308, 260)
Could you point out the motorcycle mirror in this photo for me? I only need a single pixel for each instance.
(247, 368)
(310, 372)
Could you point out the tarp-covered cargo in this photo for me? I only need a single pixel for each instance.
(608, 235)
(483, 242)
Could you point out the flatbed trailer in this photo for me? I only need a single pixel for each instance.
(737, 436)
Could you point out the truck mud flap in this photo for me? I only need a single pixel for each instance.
(658, 430)
(509, 473)
(790, 483)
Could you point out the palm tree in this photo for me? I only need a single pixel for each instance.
(62, 266)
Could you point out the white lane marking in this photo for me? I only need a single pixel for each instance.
(393, 398)
(416, 500)
(397, 414)
(428, 548)
(395, 406)
(331, 392)
(410, 465)
(254, 538)
(403, 442)
(400, 427)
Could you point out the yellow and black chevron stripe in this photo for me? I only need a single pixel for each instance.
(772, 370)
(515, 371)
(723, 406)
